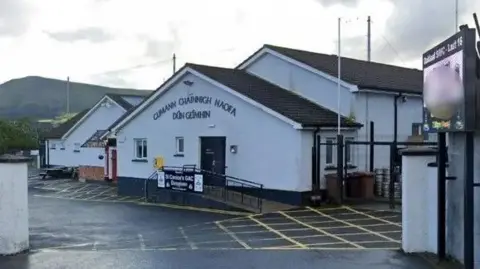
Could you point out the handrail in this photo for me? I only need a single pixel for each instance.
(228, 188)
(153, 176)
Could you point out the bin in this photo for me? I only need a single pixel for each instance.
(360, 185)
(333, 188)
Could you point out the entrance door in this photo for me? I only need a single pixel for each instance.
(114, 164)
(212, 158)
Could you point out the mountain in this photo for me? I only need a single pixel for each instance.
(45, 98)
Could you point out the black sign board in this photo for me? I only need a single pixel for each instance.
(180, 179)
(448, 94)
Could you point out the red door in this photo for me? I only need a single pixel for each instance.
(107, 160)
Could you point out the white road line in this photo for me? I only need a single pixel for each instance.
(187, 239)
(98, 194)
(142, 242)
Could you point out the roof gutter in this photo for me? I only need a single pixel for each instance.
(329, 128)
(390, 91)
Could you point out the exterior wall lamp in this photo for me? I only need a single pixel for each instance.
(234, 149)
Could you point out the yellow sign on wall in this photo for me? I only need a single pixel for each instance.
(158, 162)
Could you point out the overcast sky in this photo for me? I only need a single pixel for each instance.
(130, 43)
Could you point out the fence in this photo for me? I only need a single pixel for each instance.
(380, 159)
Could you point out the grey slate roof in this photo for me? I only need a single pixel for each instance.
(95, 138)
(60, 130)
(364, 74)
(118, 98)
(280, 100)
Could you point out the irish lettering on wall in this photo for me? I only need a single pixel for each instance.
(181, 109)
(444, 92)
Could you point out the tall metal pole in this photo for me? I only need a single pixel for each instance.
(68, 95)
(369, 38)
(456, 16)
(468, 203)
(174, 63)
(339, 76)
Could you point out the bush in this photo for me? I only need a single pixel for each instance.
(17, 135)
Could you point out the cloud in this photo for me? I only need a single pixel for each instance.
(413, 27)
(92, 34)
(346, 3)
(14, 17)
(162, 49)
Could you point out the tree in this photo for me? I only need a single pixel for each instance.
(17, 135)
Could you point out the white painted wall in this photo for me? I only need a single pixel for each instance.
(378, 107)
(301, 81)
(365, 107)
(100, 119)
(13, 208)
(419, 205)
(270, 151)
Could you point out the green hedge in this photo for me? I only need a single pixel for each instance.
(17, 135)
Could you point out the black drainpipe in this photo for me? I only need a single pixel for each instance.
(47, 153)
(315, 159)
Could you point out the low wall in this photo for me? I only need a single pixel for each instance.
(91, 173)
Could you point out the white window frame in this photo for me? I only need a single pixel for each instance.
(144, 148)
(76, 147)
(350, 151)
(334, 154)
(178, 150)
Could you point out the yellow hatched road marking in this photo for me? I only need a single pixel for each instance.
(278, 233)
(321, 230)
(372, 217)
(232, 235)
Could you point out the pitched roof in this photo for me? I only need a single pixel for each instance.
(94, 139)
(120, 99)
(60, 130)
(364, 74)
(280, 100)
(117, 98)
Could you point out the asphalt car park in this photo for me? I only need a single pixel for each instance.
(78, 225)
(303, 228)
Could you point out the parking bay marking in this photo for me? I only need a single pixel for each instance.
(232, 235)
(354, 226)
(296, 243)
(187, 239)
(372, 217)
(320, 230)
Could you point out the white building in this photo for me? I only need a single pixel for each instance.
(230, 122)
(77, 143)
(369, 92)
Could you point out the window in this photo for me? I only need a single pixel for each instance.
(52, 145)
(76, 147)
(329, 150)
(348, 150)
(417, 130)
(179, 145)
(140, 148)
(62, 146)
